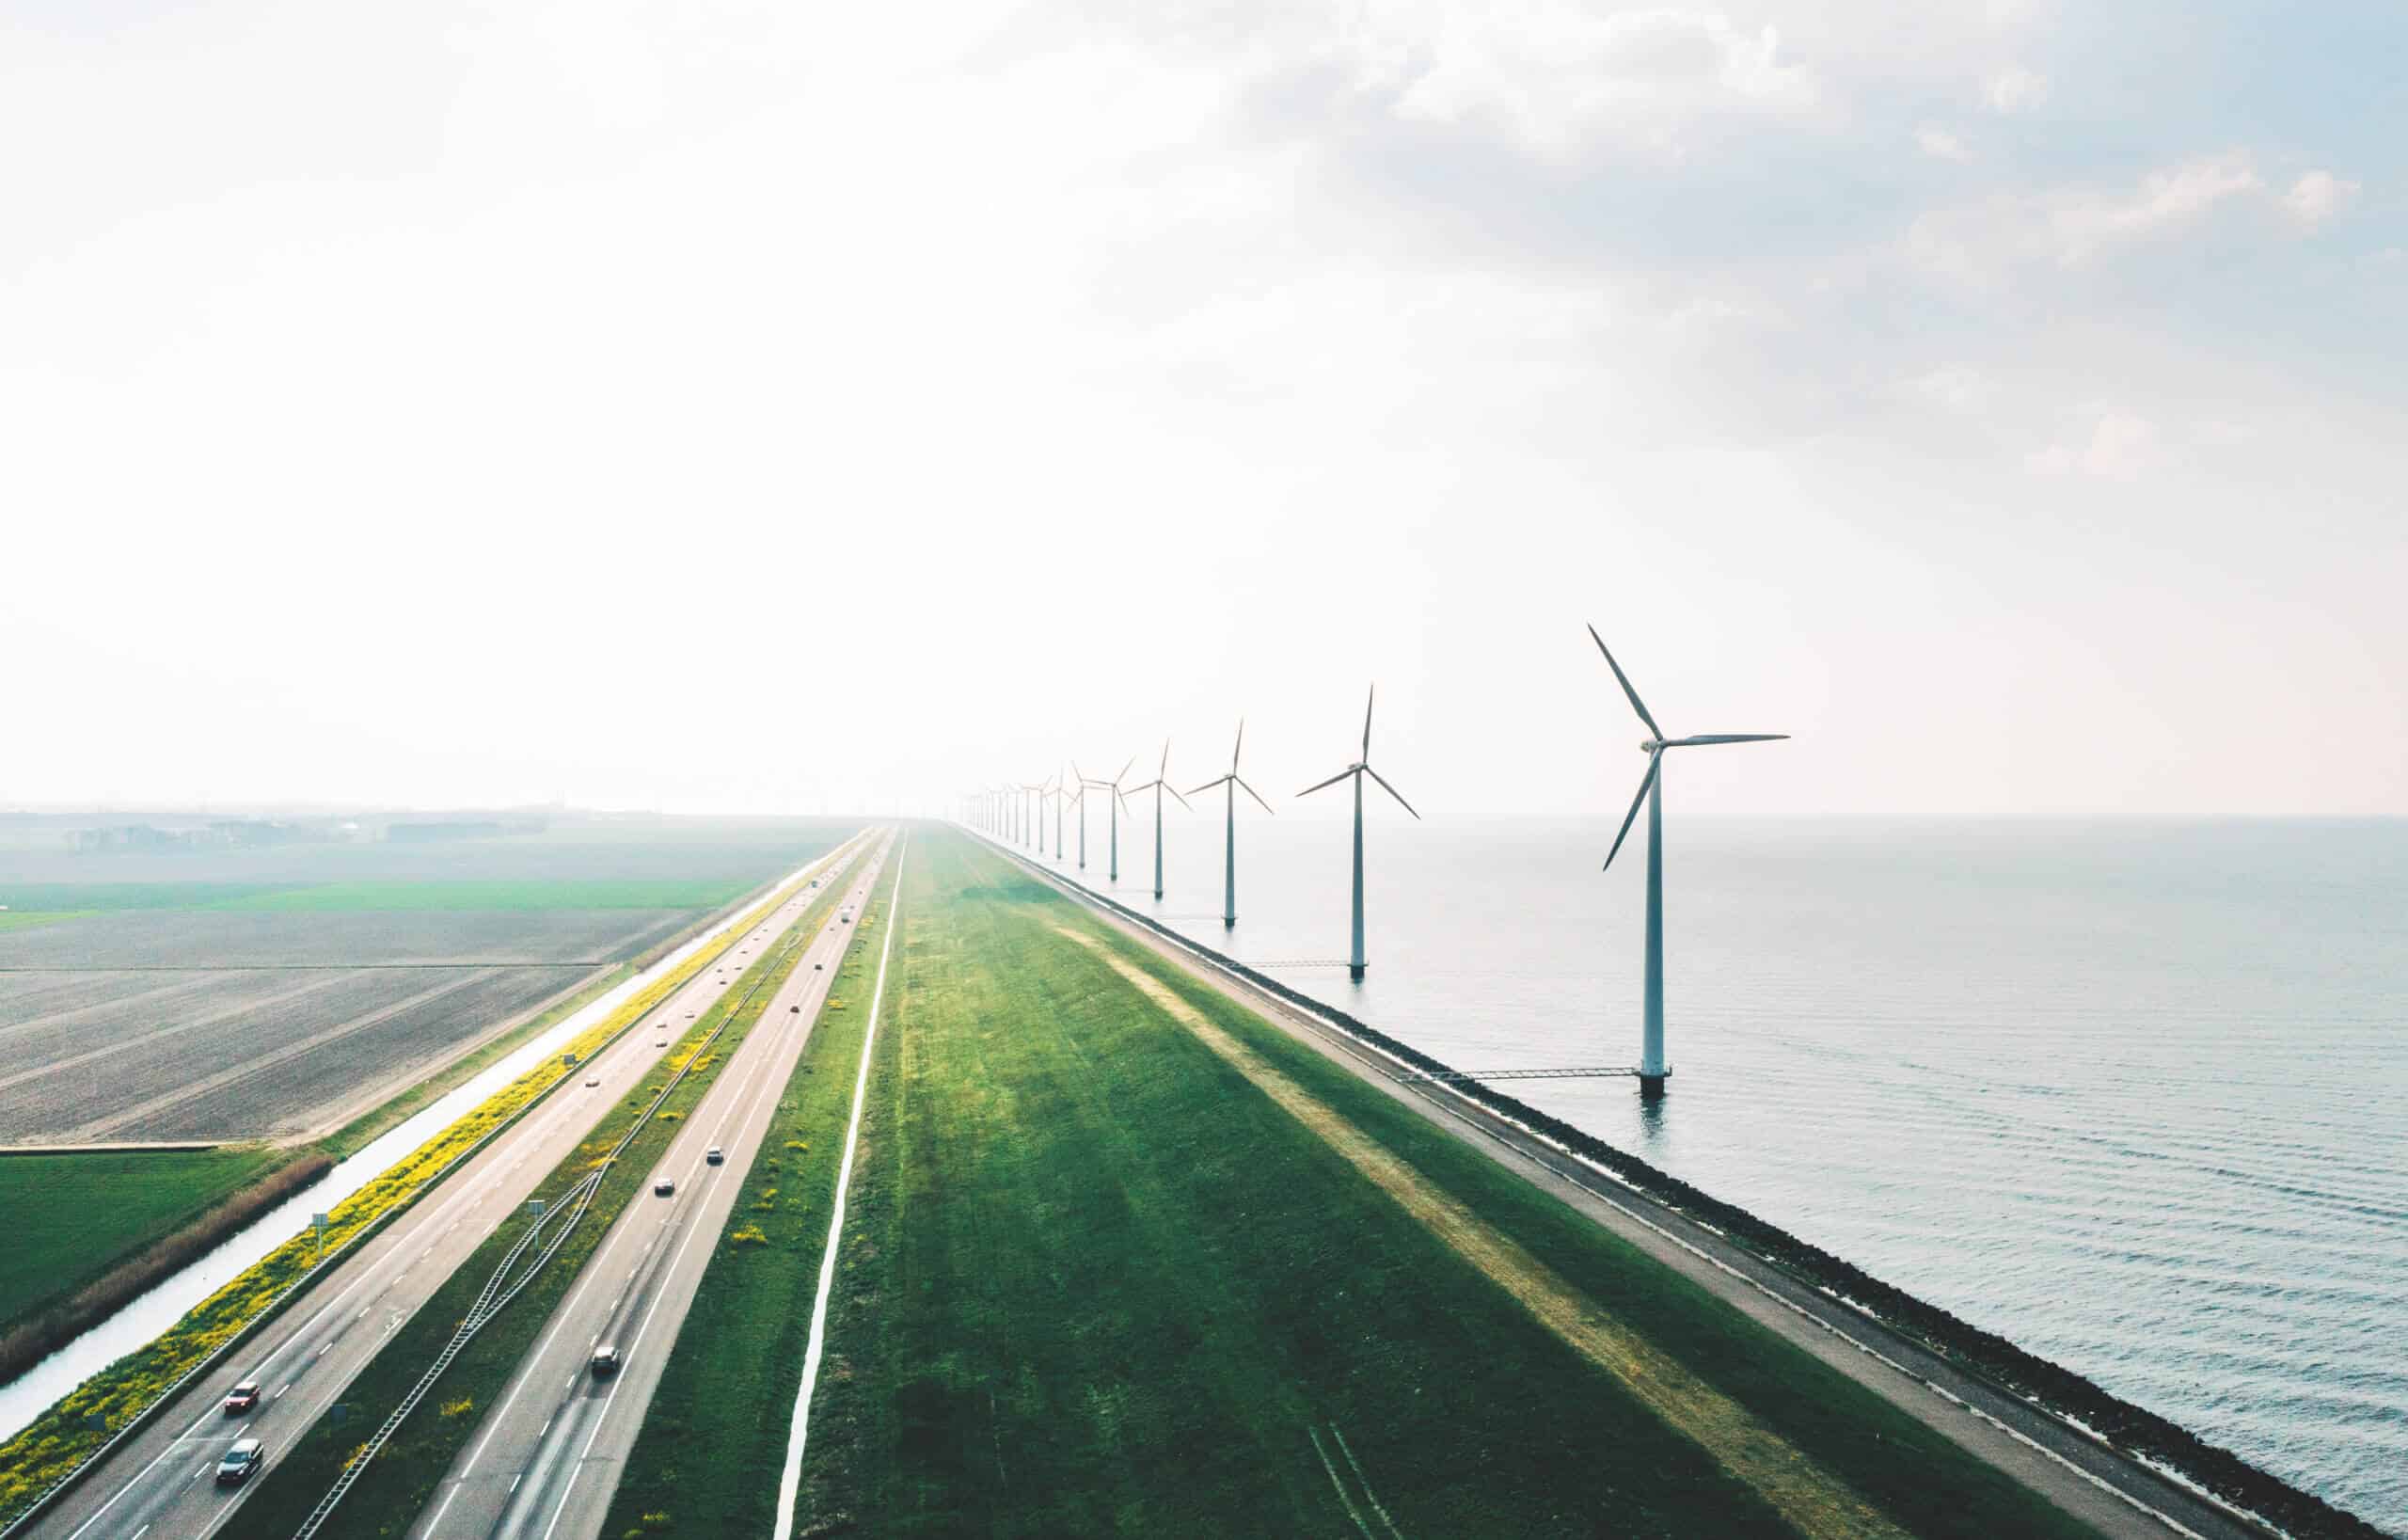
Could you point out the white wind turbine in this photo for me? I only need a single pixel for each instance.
(1113, 804)
(1231, 785)
(1652, 1070)
(1354, 964)
(1159, 785)
(1080, 797)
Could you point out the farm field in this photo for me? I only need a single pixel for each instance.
(1123, 1257)
(96, 1207)
(263, 994)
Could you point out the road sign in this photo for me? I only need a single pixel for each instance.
(534, 1208)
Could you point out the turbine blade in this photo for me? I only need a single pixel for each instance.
(1132, 759)
(1632, 816)
(1636, 703)
(1256, 795)
(1176, 798)
(1164, 769)
(1726, 737)
(1390, 790)
(1198, 791)
(1240, 749)
(1074, 770)
(1331, 782)
(1366, 723)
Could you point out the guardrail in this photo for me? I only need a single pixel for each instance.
(18, 1525)
(487, 1304)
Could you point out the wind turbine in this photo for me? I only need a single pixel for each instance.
(1159, 785)
(1361, 767)
(1081, 782)
(1061, 794)
(1652, 1070)
(1033, 826)
(1229, 842)
(1113, 802)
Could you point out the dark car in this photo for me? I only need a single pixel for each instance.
(665, 1187)
(241, 1462)
(242, 1398)
(714, 1156)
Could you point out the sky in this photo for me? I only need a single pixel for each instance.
(763, 407)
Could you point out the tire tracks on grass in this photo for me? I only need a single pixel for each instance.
(1816, 1501)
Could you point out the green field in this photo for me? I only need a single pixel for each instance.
(714, 1435)
(1123, 1257)
(387, 1498)
(85, 897)
(25, 919)
(327, 897)
(69, 1217)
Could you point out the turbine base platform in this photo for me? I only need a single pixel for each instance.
(1355, 971)
(1651, 1087)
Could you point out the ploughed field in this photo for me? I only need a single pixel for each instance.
(270, 995)
(253, 1053)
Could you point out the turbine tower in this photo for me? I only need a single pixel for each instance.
(1354, 964)
(1229, 840)
(1652, 1070)
(1113, 804)
(1061, 794)
(1033, 819)
(1081, 782)
(1159, 785)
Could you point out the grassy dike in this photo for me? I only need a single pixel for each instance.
(56, 1444)
(387, 1500)
(1122, 1256)
(714, 1438)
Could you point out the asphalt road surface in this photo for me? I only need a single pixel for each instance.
(160, 1485)
(545, 1460)
(2117, 1495)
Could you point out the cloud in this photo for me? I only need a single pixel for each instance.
(2118, 445)
(2317, 196)
(2082, 225)
(1556, 78)
(2016, 89)
(1978, 244)
(1939, 143)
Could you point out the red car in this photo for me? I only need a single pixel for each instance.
(242, 1397)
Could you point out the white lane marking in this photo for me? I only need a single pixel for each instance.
(790, 1479)
(287, 1385)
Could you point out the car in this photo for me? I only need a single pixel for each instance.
(241, 1462)
(794, 1010)
(594, 1079)
(663, 1043)
(665, 1187)
(242, 1398)
(819, 967)
(714, 1156)
(604, 1361)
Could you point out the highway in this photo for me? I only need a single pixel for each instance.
(158, 1484)
(545, 1460)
